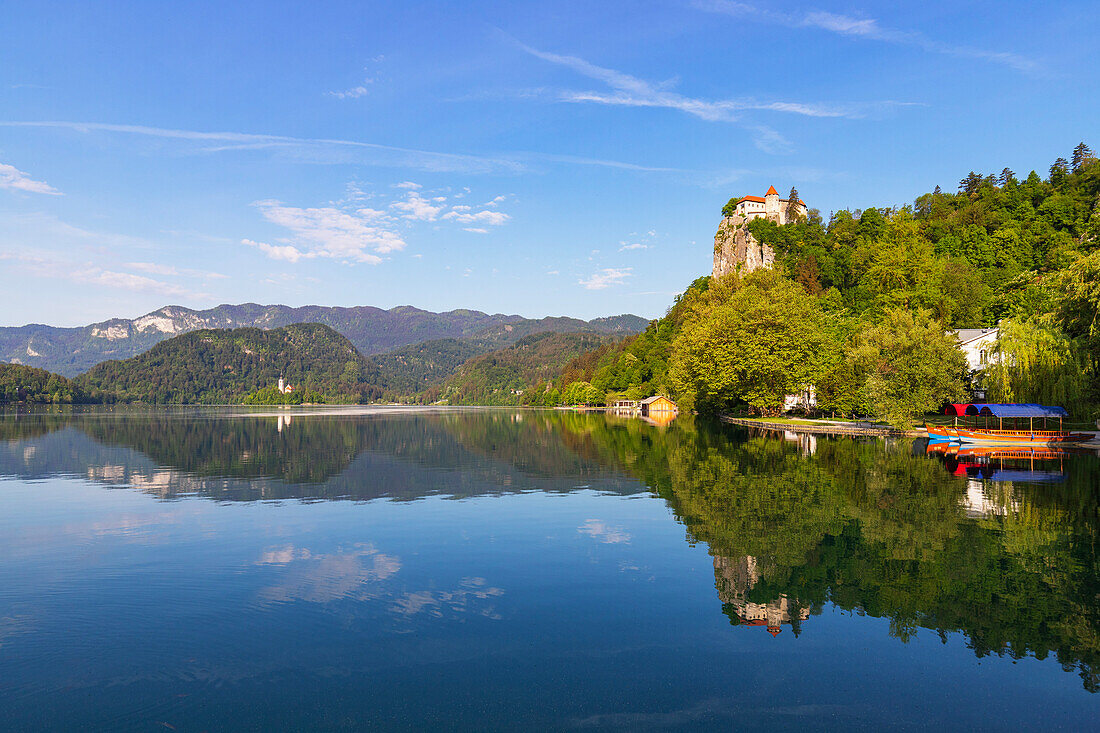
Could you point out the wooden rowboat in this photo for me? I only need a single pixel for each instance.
(941, 432)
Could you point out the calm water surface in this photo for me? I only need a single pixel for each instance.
(494, 569)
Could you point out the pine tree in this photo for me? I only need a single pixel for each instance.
(971, 183)
(937, 191)
(792, 205)
(1058, 171)
(1082, 156)
(1007, 175)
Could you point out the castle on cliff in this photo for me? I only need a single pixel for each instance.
(735, 249)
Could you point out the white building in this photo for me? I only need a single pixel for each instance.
(805, 399)
(977, 344)
(769, 206)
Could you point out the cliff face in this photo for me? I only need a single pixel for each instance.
(736, 249)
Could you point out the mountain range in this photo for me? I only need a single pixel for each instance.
(72, 351)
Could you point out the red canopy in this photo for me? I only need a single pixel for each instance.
(957, 410)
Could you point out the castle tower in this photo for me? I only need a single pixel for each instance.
(282, 385)
(772, 209)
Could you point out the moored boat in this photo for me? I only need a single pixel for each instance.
(999, 436)
(1021, 437)
(941, 432)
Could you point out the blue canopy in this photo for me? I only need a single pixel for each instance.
(1025, 410)
(1027, 476)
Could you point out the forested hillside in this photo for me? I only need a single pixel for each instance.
(414, 368)
(20, 383)
(501, 377)
(225, 366)
(860, 307)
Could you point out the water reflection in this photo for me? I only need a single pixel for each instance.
(996, 546)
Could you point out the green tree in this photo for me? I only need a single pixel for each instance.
(1082, 156)
(731, 207)
(768, 340)
(912, 366)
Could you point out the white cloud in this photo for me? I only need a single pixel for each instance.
(491, 218)
(354, 92)
(869, 28)
(286, 252)
(635, 245)
(606, 277)
(476, 230)
(608, 534)
(350, 236)
(16, 180)
(407, 184)
(417, 208)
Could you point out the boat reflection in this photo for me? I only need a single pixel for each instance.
(1002, 463)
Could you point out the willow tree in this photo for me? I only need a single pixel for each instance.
(1034, 361)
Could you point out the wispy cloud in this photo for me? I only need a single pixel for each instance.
(87, 273)
(324, 150)
(16, 180)
(153, 268)
(855, 27)
(338, 151)
(632, 246)
(349, 236)
(630, 91)
(606, 277)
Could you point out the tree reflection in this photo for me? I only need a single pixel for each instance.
(878, 528)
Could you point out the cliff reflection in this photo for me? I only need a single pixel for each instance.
(877, 528)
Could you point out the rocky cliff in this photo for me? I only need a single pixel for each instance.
(736, 249)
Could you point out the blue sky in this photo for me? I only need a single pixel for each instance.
(532, 158)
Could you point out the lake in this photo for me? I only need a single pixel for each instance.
(393, 568)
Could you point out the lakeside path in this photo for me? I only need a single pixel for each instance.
(832, 427)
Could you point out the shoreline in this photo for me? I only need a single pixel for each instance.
(831, 428)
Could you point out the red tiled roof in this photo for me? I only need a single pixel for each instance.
(760, 199)
(772, 191)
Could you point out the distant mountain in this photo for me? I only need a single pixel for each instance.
(71, 351)
(500, 377)
(223, 366)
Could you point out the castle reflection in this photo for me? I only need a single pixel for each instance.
(734, 578)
